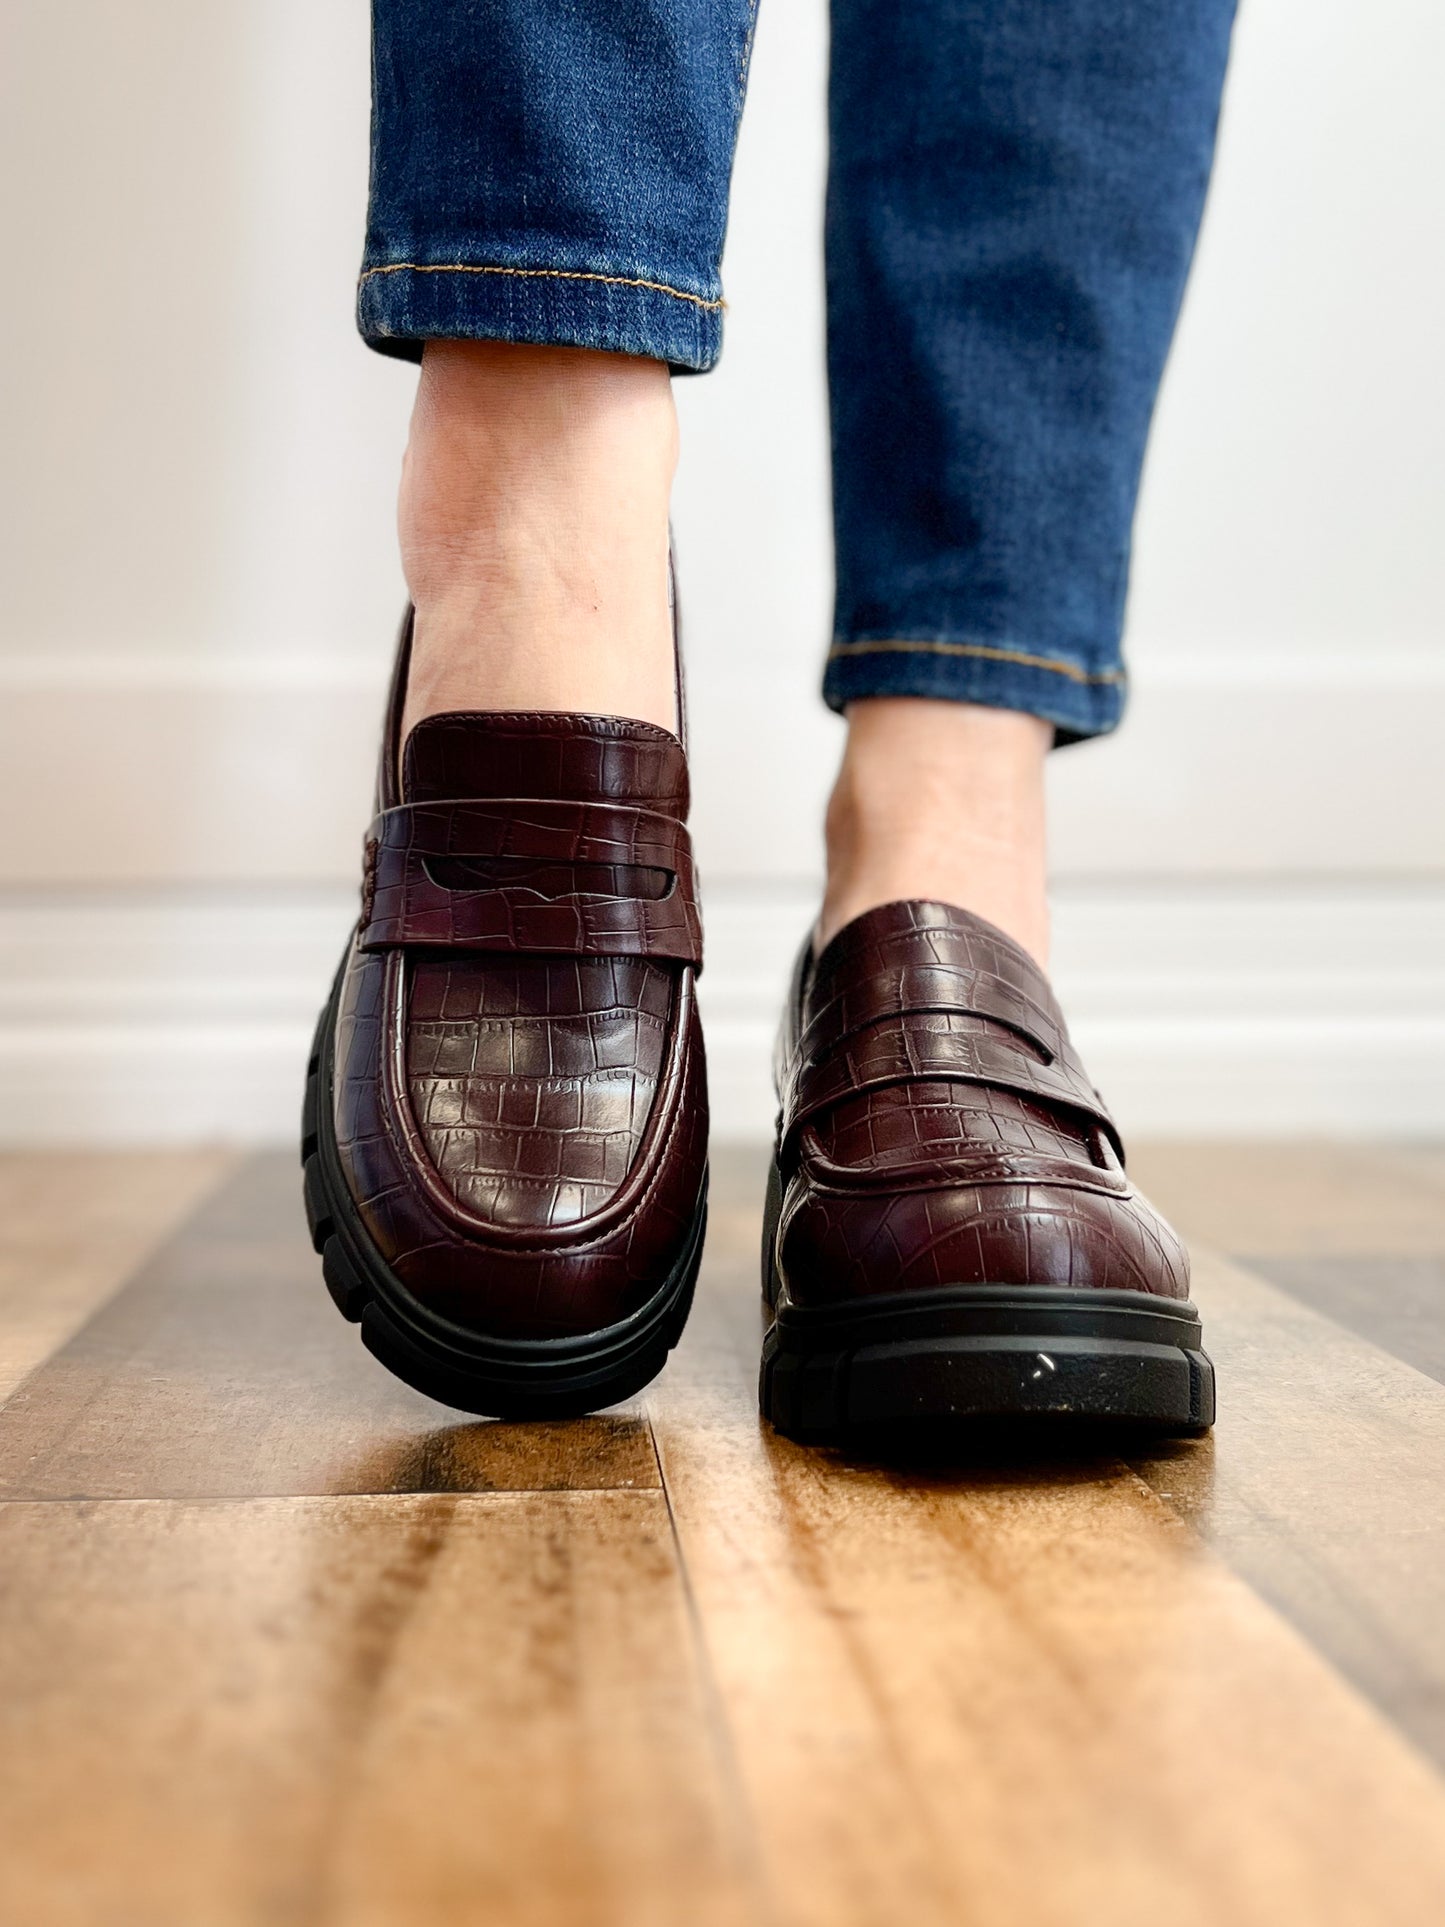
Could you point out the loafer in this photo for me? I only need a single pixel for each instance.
(950, 1230)
(505, 1127)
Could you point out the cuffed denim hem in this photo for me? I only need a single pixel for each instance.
(1077, 701)
(403, 305)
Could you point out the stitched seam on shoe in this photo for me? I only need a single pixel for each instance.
(546, 1086)
(495, 1026)
(981, 651)
(509, 1181)
(964, 1162)
(827, 1178)
(546, 274)
(396, 1108)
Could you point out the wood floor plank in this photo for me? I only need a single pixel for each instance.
(73, 1226)
(1324, 1485)
(357, 1712)
(224, 1370)
(1199, 1686)
(1283, 1198)
(1397, 1303)
(1022, 1694)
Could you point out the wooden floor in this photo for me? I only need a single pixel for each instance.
(281, 1642)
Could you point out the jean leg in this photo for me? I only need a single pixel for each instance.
(552, 171)
(1014, 192)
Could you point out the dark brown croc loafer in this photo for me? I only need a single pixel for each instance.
(950, 1230)
(505, 1128)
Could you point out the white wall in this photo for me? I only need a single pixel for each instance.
(197, 477)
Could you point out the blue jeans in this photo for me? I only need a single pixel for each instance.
(1013, 196)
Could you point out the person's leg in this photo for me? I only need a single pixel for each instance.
(1013, 199)
(549, 194)
(504, 1134)
(952, 1232)
(940, 800)
(534, 537)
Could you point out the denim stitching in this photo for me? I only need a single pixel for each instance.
(545, 274)
(979, 650)
(747, 55)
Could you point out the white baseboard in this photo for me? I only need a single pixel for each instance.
(136, 769)
(176, 1016)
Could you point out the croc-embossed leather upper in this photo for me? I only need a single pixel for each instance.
(519, 1099)
(938, 1128)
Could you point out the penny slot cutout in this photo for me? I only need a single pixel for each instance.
(545, 878)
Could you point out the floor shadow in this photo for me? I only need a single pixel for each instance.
(964, 1452)
(606, 1450)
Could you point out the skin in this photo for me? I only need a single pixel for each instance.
(534, 538)
(533, 525)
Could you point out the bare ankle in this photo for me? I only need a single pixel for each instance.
(533, 524)
(942, 801)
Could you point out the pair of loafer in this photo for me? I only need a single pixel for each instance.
(505, 1127)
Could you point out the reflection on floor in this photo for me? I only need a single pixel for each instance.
(282, 1642)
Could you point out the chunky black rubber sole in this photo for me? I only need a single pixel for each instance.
(491, 1377)
(990, 1353)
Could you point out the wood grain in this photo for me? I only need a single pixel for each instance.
(1270, 1198)
(281, 1642)
(1396, 1302)
(426, 1710)
(224, 1370)
(1017, 1692)
(73, 1227)
(1324, 1485)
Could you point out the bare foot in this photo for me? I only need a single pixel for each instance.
(944, 801)
(533, 524)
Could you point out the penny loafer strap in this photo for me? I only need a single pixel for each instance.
(561, 877)
(957, 1047)
(917, 989)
